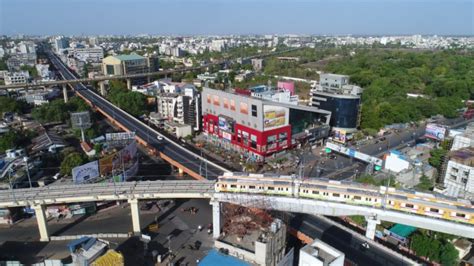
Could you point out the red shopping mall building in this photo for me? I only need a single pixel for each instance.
(254, 127)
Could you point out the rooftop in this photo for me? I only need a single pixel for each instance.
(126, 57)
(216, 258)
(322, 251)
(464, 156)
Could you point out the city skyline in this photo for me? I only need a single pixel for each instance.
(211, 17)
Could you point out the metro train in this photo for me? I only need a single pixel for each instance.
(410, 201)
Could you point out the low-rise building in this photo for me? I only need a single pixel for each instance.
(319, 253)
(17, 78)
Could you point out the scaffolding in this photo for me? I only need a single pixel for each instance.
(252, 214)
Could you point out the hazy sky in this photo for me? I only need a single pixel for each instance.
(446, 17)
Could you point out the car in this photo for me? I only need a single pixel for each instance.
(159, 137)
(57, 176)
(365, 245)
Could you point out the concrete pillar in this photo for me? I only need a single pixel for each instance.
(103, 92)
(372, 222)
(65, 93)
(180, 171)
(216, 218)
(129, 84)
(135, 216)
(42, 223)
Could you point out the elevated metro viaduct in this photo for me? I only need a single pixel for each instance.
(133, 192)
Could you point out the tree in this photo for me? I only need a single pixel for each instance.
(9, 140)
(449, 255)
(11, 105)
(436, 158)
(70, 161)
(425, 183)
(132, 102)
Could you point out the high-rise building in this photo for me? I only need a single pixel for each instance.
(335, 94)
(61, 43)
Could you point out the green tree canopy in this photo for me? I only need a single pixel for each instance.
(132, 102)
(11, 105)
(70, 161)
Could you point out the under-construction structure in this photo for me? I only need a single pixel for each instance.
(251, 233)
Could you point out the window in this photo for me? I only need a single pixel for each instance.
(434, 210)
(315, 192)
(232, 105)
(271, 139)
(283, 136)
(461, 215)
(244, 108)
(270, 188)
(110, 70)
(254, 110)
(409, 205)
(336, 195)
(233, 186)
(357, 198)
(251, 187)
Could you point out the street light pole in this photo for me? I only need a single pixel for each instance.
(25, 159)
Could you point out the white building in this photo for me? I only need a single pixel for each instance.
(218, 45)
(396, 162)
(93, 55)
(17, 77)
(465, 139)
(459, 177)
(319, 253)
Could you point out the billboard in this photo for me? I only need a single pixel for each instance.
(106, 164)
(85, 172)
(119, 136)
(274, 116)
(435, 131)
(355, 154)
(226, 124)
(244, 108)
(340, 136)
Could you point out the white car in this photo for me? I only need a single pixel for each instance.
(159, 137)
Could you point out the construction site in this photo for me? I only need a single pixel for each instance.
(252, 233)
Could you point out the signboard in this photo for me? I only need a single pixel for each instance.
(106, 164)
(435, 131)
(119, 136)
(85, 172)
(352, 153)
(340, 136)
(274, 116)
(223, 124)
(226, 136)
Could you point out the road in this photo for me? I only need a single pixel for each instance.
(19, 241)
(350, 245)
(344, 166)
(171, 149)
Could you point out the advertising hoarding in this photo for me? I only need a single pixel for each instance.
(119, 136)
(106, 164)
(274, 116)
(435, 131)
(340, 136)
(244, 108)
(352, 153)
(85, 172)
(223, 124)
(129, 153)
